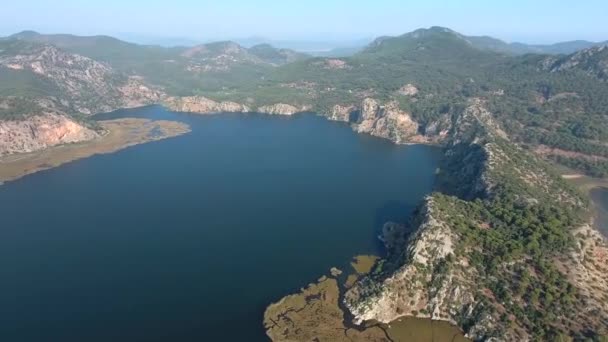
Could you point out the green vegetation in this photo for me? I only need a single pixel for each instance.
(512, 215)
(514, 233)
(594, 168)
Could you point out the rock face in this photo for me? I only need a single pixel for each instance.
(280, 109)
(136, 94)
(422, 285)
(593, 61)
(588, 269)
(71, 84)
(408, 90)
(41, 131)
(200, 104)
(84, 85)
(386, 121)
(405, 292)
(335, 63)
(341, 113)
(434, 272)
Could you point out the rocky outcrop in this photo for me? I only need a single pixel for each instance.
(386, 121)
(85, 85)
(200, 104)
(593, 61)
(382, 120)
(408, 90)
(41, 131)
(437, 272)
(341, 113)
(405, 292)
(334, 63)
(118, 134)
(434, 280)
(587, 269)
(135, 93)
(281, 109)
(370, 117)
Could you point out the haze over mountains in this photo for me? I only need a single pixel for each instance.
(503, 250)
(334, 47)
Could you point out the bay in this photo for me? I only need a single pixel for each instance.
(190, 238)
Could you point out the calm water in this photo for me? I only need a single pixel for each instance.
(188, 239)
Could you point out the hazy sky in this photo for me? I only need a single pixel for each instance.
(515, 20)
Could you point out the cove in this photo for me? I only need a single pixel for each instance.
(599, 196)
(190, 238)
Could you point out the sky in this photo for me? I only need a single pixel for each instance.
(529, 21)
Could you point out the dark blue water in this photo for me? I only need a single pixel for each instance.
(190, 238)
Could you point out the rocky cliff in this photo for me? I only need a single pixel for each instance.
(424, 286)
(203, 105)
(386, 121)
(52, 87)
(470, 260)
(370, 116)
(41, 131)
(282, 109)
(341, 113)
(592, 61)
(200, 104)
(80, 84)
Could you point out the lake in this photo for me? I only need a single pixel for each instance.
(190, 238)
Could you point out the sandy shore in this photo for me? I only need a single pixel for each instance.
(122, 133)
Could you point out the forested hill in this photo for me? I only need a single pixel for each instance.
(554, 104)
(503, 228)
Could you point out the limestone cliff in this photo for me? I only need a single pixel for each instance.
(370, 117)
(281, 109)
(82, 85)
(423, 286)
(41, 131)
(68, 85)
(200, 104)
(471, 261)
(386, 121)
(341, 113)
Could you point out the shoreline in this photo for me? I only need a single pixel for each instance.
(317, 312)
(120, 134)
(412, 141)
(587, 185)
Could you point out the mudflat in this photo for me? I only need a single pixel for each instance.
(121, 133)
(315, 314)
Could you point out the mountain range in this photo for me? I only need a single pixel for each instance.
(504, 249)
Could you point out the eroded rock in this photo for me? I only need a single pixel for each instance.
(203, 105)
(386, 121)
(280, 109)
(41, 131)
